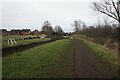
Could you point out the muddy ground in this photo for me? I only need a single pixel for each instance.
(87, 65)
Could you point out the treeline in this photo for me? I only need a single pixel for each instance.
(50, 31)
(105, 33)
(56, 32)
(102, 31)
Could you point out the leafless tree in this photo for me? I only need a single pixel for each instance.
(109, 8)
(84, 26)
(58, 30)
(77, 25)
(47, 28)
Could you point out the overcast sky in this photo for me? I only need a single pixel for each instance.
(18, 15)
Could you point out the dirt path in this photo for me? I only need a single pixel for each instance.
(87, 65)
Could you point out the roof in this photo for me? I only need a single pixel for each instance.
(15, 30)
(3, 30)
(35, 31)
(43, 32)
(26, 30)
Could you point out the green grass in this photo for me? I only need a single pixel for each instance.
(66, 37)
(102, 52)
(21, 42)
(0, 67)
(16, 37)
(53, 60)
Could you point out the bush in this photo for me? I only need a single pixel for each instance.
(97, 40)
(57, 38)
(110, 43)
(28, 38)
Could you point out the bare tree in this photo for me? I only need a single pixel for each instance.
(47, 28)
(84, 26)
(58, 30)
(109, 8)
(77, 26)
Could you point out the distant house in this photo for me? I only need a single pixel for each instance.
(43, 36)
(35, 32)
(15, 32)
(43, 32)
(25, 32)
(3, 32)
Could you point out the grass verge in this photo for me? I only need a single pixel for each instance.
(21, 42)
(53, 60)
